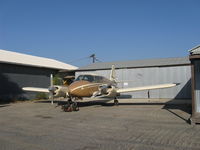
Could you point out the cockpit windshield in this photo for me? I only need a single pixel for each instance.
(93, 78)
(89, 78)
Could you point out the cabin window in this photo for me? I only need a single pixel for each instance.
(98, 78)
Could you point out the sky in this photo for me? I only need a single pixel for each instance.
(115, 30)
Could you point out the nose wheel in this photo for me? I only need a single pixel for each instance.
(70, 106)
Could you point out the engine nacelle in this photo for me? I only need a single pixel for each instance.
(60, 91)
(105, 91)
(112, 92)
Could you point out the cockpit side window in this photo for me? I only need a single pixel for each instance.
(98, 79)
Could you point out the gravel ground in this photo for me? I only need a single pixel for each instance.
(129, 126)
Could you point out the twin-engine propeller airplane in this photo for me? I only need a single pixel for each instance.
(93, 86)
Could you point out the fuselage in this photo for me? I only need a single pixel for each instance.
(87, 85)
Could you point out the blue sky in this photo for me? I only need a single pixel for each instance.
(115, 30)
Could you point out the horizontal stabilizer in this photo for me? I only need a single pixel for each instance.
(151, 87)
(34, 89)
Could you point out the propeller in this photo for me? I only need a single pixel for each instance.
(51, 89)
(55, 90)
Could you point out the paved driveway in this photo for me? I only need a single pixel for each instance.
(134, 126)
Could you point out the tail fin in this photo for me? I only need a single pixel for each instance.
(113, 74)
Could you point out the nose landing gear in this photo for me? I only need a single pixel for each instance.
(70, 106)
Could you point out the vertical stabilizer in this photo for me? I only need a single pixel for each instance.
(113, 74)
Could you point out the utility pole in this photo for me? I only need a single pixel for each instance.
(93, 56)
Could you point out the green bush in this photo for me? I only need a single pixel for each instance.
(57, 80)
(41, 96)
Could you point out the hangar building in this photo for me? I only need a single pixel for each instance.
(148, 72)
(195, 61)
(21, 70)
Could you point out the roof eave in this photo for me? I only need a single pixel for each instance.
(37, 66)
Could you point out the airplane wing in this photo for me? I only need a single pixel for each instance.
(34, 89)
(151, 87)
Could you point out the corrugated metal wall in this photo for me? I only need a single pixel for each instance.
(197, 85)
(153, 75)
(14, 77)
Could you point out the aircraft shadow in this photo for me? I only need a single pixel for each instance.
(168, 106)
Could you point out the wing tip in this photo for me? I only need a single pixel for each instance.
(176, 84)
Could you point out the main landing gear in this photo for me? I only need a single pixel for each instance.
(70, 106)
(116, 102)
(73, 106)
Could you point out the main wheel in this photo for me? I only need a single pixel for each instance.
(75, 106)
(116, 102)
(67, 108)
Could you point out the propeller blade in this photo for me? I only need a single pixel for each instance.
(51, 80)
(52, 97)
(52, 89)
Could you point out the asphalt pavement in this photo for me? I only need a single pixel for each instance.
(133, 125)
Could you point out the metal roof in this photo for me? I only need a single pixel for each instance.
(35, 61)
(138, 63)
(195, 50)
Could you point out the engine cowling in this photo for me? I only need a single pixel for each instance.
(59, 91)
(112, 92)
(105, 91)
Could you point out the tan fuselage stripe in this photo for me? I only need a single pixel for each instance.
(86, 86)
